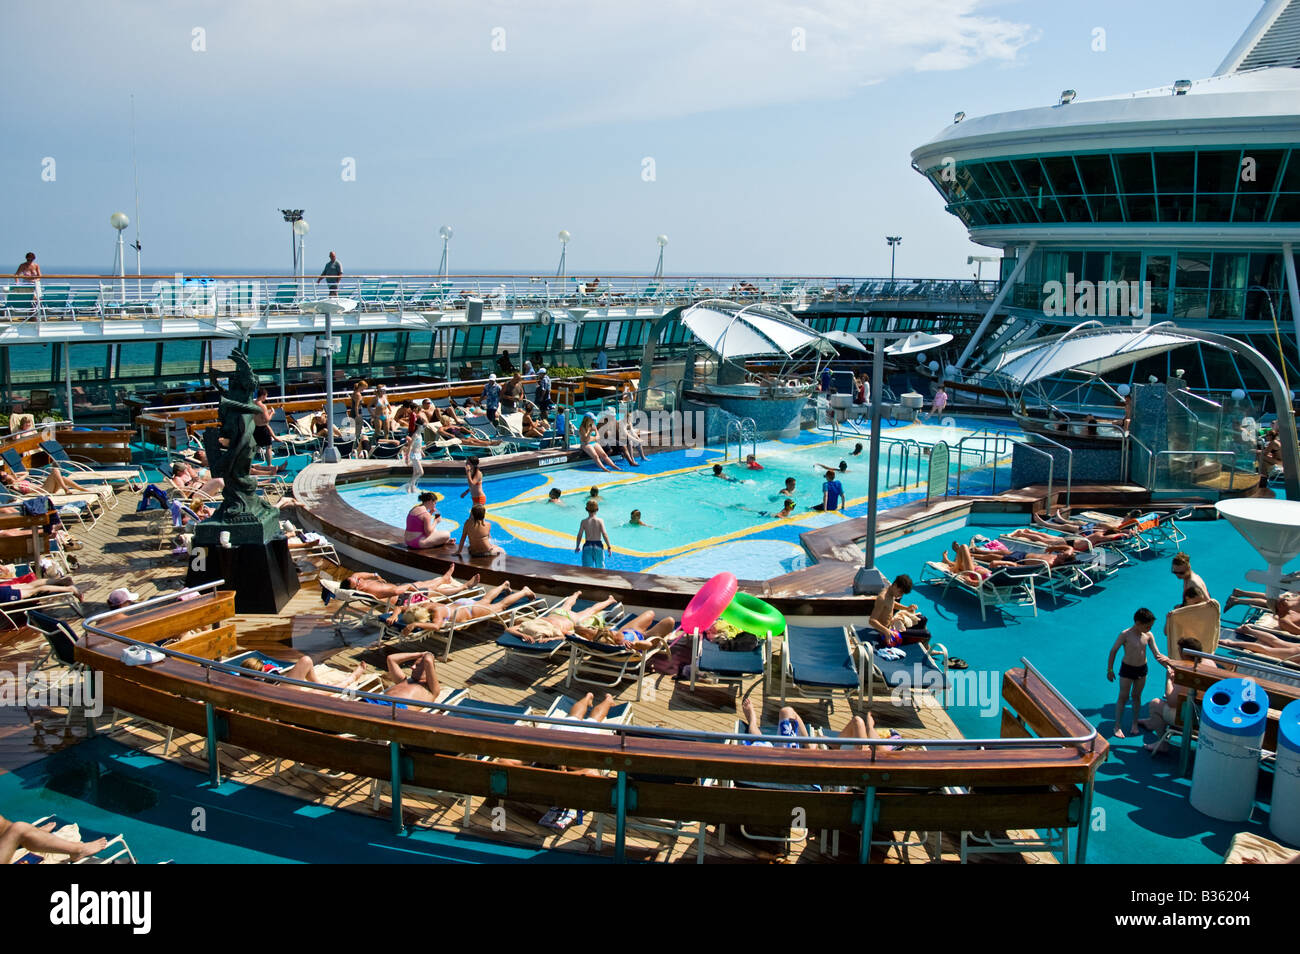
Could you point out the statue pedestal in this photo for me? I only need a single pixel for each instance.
(262, 575)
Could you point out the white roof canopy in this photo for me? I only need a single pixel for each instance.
(731, 331)
(1087, 350)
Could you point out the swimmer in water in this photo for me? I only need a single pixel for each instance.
(554, 496)
(636, 521)
(717, 472)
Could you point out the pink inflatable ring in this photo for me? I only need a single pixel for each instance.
(707, 605)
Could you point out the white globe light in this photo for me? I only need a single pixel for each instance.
(920, 357)
(662, 240)
(1238, 394)
(565, 236)
(445, 232)
(1123, 390)
(950, 371)
(1153, 379)
(119, 220)
(301, 227)
(934, 365)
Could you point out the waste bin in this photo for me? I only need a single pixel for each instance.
(1233, 714)
(1284, 819)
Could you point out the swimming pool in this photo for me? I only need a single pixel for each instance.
(696, 523)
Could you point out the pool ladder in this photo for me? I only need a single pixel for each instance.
(746, 430)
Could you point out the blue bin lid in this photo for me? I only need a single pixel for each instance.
(1288, 728)
(1235, 707)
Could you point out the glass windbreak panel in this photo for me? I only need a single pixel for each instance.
(1125, 266)
(987, 185)
(1216, 185)
(419, 345)
(1228, 285)
(1005, 176)
(261, 353)
(470, 343)
(1191, 285)
(386, 346)
(1094, 266)
(137, 359)
(182, 358)
(1157, 272)
(29, 363)
(1257, 179)
(89, 362)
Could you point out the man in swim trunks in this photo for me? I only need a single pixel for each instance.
(1133, 668)
(1194, 589)
(559, 621)
(832, 494)
(421, 685)
(885, 615)
(592, 539)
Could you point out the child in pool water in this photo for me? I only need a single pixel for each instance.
(636, 521)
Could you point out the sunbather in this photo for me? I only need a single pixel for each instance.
(1058, 521)
(421, 685)
(964, 567)
(42, 841)
(187, 478)
(641, 634)
(1056, 554)
(12, 591)
(54, 483)
(434, 616)
(1262, 642)
(791, 726)
(1080, 541)
(560, 621)
(378, 587)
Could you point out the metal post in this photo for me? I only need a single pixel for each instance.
(1185, 750)
(67, 378)
(620, 819)
(869, 580)
(868, 822)
(282, 344)
(1085, 823)
(214, 767)
(395, 782)
(1288, 259)
(1014, 277)
(329, 455)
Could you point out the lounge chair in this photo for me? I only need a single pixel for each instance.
(820, 663)
(723, 666)
(61, 642)
(14, 612)
(604, 664)
(513, 645)
(1003, 588)
(133, 477)
(95, 492)
(797, 835)
(898, 671)
(446, 633)
(115, 852)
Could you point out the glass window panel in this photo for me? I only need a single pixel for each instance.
(1175, 172)
(1291, 176)
(1094, 266)
(1193, 270)
(1075, 208)
(1125, 266)
(1257, 179)
(987, 186)
(261, 353)
(1228, 285)
(33, 362)
(1287, 208)
(1098, 179)
(1158, 274)
(1006, 178)
(136, 359)
(1135, 172)
(182, 357)
(1214, 206)
(386, 346)
(1061, 173)
(965, 187)
(419, 346)
(1218, 171)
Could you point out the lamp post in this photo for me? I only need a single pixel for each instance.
(564, 237)
(329, 307)
(1277, 333)
(869, 581)
(292, 216)
(300, 230)
(120, 221)
(894, 241)
(662, 242)
(445, 232)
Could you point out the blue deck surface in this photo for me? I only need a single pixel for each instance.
(1147, 816)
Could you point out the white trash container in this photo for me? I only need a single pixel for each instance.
(1284, 818)
(1233, 714)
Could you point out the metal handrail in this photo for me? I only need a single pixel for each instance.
(1151, 459)
(91, 625)
(1069, 468)
(999, 440)
(1232, 455)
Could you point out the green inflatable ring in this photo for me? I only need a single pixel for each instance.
(752, 615)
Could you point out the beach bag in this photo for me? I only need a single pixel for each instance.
(740, 643)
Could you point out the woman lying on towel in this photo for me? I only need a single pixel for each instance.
(641, 634)
(433, 616)
(1265, 643)
(378, 587)
(560, 621)
(1058, 521)
(1057, 554)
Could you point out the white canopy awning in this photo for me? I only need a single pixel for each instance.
(754, 331)
(1088, 351)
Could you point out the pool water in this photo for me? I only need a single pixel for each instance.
(696, 523)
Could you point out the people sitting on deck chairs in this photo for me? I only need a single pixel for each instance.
(559, 621)
(421, 685)
(1083, 542)
(54, 483)
(1056, 554)
(1287, 605)
(430, 615)
(319, 424)
(42, 841)
(376, 586)
(422, 531)
(188, 478)
(529, 427)
(12, 590)
(1093, 532)
(896, 622)
(639, 634)
(1163, 712)
(790, 725)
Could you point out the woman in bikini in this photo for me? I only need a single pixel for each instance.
(964, 567)
(479, 533)
(434, 616)
(560, 621)
(55, 483)
(422, 531)
(591, 447)
(474, 477)
(376, 586)
(641, 634)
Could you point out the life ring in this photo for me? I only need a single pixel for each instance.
(752, 615)
(707, 605)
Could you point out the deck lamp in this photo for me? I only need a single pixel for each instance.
(1181, 87)
(564, 237)
(661, 241)
(869, 581)
(120, 221)
(300, 230)
(445, 233)
(958, 117)
(1238, 394)
(1123, 390)
(1067, 96)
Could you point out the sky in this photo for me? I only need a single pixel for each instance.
(761, 136)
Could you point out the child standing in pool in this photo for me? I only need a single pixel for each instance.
(1133, 667)
(596, 540)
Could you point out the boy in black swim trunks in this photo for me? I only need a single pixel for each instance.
(1133, 668)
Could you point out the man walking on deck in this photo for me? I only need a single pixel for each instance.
(331, 273)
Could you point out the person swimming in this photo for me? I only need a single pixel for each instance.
(635, 520)
(554, 496)
(718, 472)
